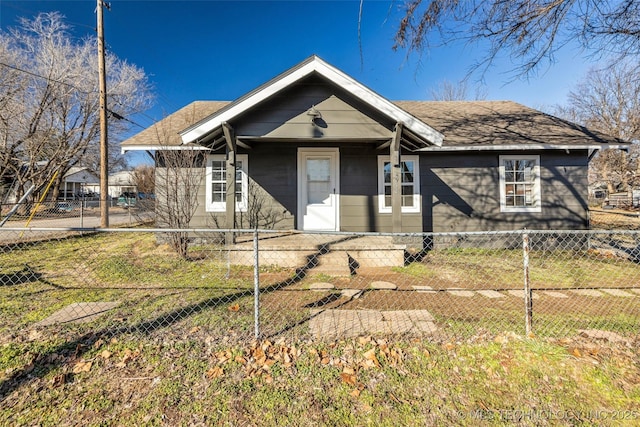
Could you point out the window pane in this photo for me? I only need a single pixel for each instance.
(407, 171)
(387, 172)
(407, 201)
(509, 166)
(528, 196)
(218, 165)
(217, 175)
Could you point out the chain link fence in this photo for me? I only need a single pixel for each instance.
(266, 284)
(77, 213)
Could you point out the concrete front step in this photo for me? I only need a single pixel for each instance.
(306, 251)
(334, 263)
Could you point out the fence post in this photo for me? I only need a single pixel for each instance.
(528, 296)
(256, 285)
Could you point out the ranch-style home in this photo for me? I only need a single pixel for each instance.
(314, 149)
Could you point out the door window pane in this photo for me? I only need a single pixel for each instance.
(318, 180)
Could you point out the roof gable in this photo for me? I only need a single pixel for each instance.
(312, 65)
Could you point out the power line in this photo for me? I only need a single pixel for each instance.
(113, 113)
(45, 78)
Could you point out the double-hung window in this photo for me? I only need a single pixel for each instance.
(520, 183)
(216, 183)
(410, 176)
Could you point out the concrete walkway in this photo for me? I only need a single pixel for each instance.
(79, 312)
(486, 293)
(351, 323)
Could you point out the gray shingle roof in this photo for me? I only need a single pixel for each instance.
(165, 132)
(465, 124)
(481, 123)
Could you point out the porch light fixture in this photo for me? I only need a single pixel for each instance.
(314, 114)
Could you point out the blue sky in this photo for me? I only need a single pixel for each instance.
(219, 50)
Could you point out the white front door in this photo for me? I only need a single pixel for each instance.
(318, 189)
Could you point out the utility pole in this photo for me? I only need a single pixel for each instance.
(104, 147)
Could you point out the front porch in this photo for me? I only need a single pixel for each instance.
(339, 254)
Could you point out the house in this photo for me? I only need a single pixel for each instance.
(76, 182)
(320, 151)
(118, 183)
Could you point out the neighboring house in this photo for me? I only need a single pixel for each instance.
(119, 183)
(76, 182)
(325, 152)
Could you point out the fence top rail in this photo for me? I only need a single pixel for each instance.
(293, 232)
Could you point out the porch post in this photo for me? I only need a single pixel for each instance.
(396, 180)
(230, 214)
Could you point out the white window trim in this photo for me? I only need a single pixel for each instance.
(220, 206)
(536, 185)
(416, 185)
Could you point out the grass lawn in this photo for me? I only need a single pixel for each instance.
(363, 381)
(177, 349)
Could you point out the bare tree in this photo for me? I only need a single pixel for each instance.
(260, 211)
(144, 178)
(56, 122)
(608, 100)
(10, 112)
(179, 173)
(449, 91)
(530, 31)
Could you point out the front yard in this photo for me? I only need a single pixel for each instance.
(178, 348)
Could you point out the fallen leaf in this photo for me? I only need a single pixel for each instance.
(364, 340)
(234, 307)
(348, 378)
(349, 371)
(576, 352)
(355, 392)
(106, 354)
(82, 366)
(215, 372)
(371, 356)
